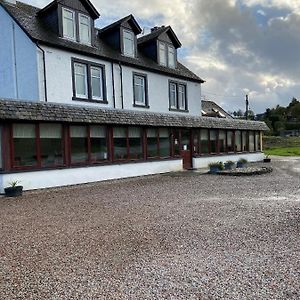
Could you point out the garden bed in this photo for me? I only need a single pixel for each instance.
(250, 171)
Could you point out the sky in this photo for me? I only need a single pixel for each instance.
(238, 47)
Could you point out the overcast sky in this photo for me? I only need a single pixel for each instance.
(236, 46)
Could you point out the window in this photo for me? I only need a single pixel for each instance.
(164, 143)
(171, 57)
(166, 55)
(162, 54)
(213, 141)
(251, 141)
(177, 94)
(51, 145)
(135, 143)
(245, 143)
(128, 43)
(69, 26)
(88, 81)
(120, 143)
(140, 90)
(84, 29)
(81, 81)
(222, 141)
(98, 143)
(204, 141)
(257, 141)
(24, 145)
(230, 141)
(238, 141)
(152, 143)
(79, 144)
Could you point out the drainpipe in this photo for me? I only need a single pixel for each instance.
(44, 65)
(121, 77)
(15, 60)
(113, 83)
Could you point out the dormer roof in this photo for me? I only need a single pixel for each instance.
(86, 3)
(128, 19)
(156, 32)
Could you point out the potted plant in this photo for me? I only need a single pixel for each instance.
(14, 190)
(229, 165)
(242, 163)
(267, 159)
(215, 167)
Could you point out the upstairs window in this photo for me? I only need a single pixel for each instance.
(162, 54)
(84, 29)
(140, 90)
(81, 83)
(69, 25)
(128, 43)
(178, 99)
(167, 55)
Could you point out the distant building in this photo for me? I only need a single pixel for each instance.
(212, 109)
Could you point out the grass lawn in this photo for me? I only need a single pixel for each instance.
(282, 146)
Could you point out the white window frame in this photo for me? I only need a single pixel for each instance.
(171, 57)
(143, 86)
(80, 24)
(65, 35)
(173, 84)
(162, 47)
(182, 96)
(100, 80)
(132, 40)
(81, 96)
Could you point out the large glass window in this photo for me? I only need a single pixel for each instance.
(152, 143)
(204, 141)
(196, 139)
(245, 141)
(177, 93)
(257, 141)
(81, 81)
(120, 143)
(139, 82)
(69, 25)
(222, 141)
(97, 83)
(24, 145)
(98, 143)
(84, 29)
(213, 141)
(185, 140)
(230, 141)
(129, 43)
(177, 141)
(238, 141)
(173, 95)
(164, 142)
(51, 145)
(251, 141)
(135, 143)
(79, 144)
(162, 54)
(181, 97)
(171, 56)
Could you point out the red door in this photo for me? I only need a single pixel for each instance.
(186, 149)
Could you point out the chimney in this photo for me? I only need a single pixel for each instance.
(14, 2)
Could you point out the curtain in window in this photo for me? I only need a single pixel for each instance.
(204, 141)
(98, 143)
(97, 83)
(135, 142)
(152, 145)
(251, 141)
(79, 144)
(81, 80)
(84, 29)
(164, 142)
(120, 143)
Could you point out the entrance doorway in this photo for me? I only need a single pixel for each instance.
(182, 142)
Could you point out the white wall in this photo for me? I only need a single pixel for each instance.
(59, 84)
(53, 178)
(203, 162)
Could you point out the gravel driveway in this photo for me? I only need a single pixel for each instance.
(177, 236)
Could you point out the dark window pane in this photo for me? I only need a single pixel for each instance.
(185, 140)
(24, 140)
(238, 141)
(222, 141)
(196, 149)
(120, 143)
(213, 141)
(79, 144)
(230, 141)
(135, 143)
(98, 143)
(176, 138)
(152, 145)
(204, 141)
(164, 143)
(245, 140)
(257, 137)
(51, 144)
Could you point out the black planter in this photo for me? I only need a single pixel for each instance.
(267, 160)
(13, 191)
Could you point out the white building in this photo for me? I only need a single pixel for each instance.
(82, 104)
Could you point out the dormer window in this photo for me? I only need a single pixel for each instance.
(167, 55)
(84, 29)
(69, 25)
(128, 43)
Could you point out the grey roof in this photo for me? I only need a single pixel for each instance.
(211, 107)
(50, 112)
(26, 16)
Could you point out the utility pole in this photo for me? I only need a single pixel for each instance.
(247, 106)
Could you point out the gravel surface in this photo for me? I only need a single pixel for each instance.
(159, 237)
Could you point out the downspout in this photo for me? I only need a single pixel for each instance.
(15, 60)
(121, 77)
(113, 83)
(44, 67)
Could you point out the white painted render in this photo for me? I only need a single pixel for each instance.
(203, 162)
(60, 89)
(64, 177)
